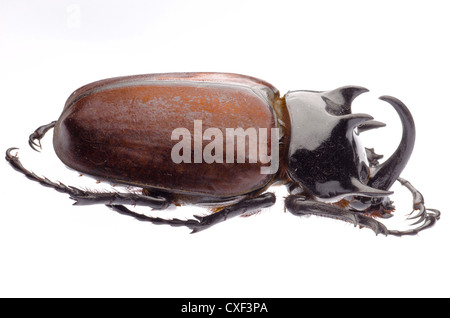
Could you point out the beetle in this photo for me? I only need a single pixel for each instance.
(122, 130)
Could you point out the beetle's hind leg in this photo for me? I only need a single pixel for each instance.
(298, 205)
(83, 197)
(203, 222)
(38, 134)
(116, 201)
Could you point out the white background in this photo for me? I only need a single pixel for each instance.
(50, 48)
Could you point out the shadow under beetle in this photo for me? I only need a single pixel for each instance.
(120, 129)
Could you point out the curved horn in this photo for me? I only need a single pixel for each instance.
(384, 175)
(355, 120)
(372, 124)
(342, 98)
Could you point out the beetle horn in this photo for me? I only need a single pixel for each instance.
(373, 157)
(343, 97)
(355, 120)
(385, 174)
(372, 124)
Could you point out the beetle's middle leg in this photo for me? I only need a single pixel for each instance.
(203, 222)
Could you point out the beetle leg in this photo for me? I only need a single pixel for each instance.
(203, 222)
(425, 216)
(262, 201)
(155, 220)
(38, 134)
(298, 205)
(83, 197)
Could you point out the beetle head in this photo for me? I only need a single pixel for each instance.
(326, 156)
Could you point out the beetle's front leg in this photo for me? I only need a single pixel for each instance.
(426, 217)
(203, 222)
(298, 205)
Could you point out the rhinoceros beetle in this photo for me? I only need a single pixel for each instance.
(136, 130)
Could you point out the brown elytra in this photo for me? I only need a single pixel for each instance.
(120, 129)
